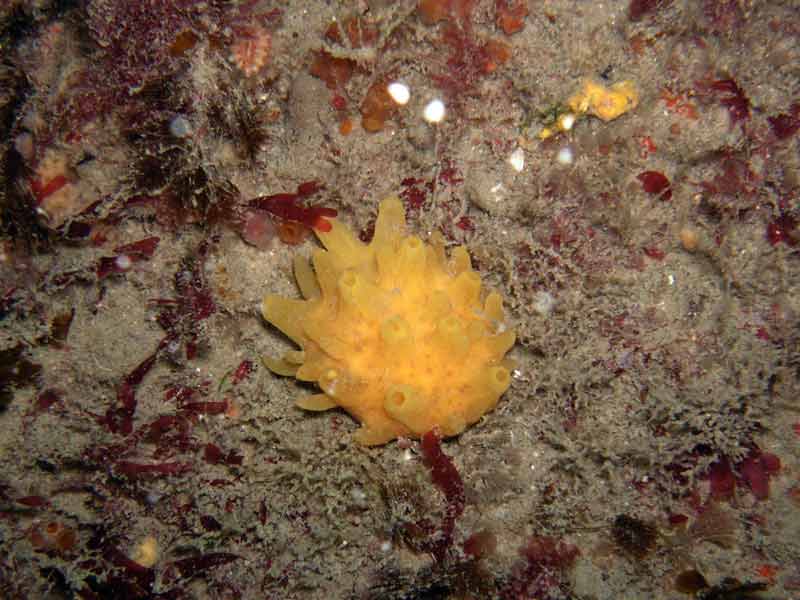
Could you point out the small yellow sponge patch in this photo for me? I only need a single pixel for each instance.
(605, 103)
(394, 332)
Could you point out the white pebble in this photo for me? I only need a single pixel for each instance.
(434, 111)
(399, 92)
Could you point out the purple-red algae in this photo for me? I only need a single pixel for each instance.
(33, 501)
(119, 418)
(656, 184)
(785, 125)
(638, 9)
(134, 470)
(783, 229)
(731, 96)
(480, 544)
(510, 15)
(445, 476)
(541, 576)
(243, 371)
(286, 207)
(721, 479)
(756, 469)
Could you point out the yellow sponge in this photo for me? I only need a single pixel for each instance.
(394, 332)
(602, 102)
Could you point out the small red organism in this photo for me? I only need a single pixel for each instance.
(721, 479)
(46, 400)
(33, 501)
(339, 102)
(647, 146)
(206, 408)
(785, 125)
(480, 544)
(679, 104)
(767, 571)
(736, 181)
(377, 107)
(133, 470)
(415, 193)
(656, 184)
(258, 229)
(214, 455)
(465, 224)
(144, 248)
(433, 11)
(292, 233)
(783, 229)
(43, 190)
(243, 371)
(510, 15)
(654, 253)
(335, 72)
(53, 537)
(496, 53)
(285, 207)
(756, 470)
(469, 61)
(731, 96)
(183, 42)
(180, 317)
(119, 418)
(677, 520)
(541, 575)
(126, 256)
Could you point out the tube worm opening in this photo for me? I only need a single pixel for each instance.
(499, 379)
(406, 405)
(395, 331)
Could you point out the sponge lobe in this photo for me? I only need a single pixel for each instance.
(395, 332)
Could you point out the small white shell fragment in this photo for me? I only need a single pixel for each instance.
(434, 111)
(517, 160)
(399, 92)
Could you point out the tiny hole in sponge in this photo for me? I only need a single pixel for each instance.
(413, 243)
(501, 375)
(395, 330)
(397, 398)
(499, 379)
(450, 324)
(348, 279)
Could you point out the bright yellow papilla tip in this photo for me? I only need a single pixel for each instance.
(606, 103)
(399, 335)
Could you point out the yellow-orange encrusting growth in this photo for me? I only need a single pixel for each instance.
(395, 332)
